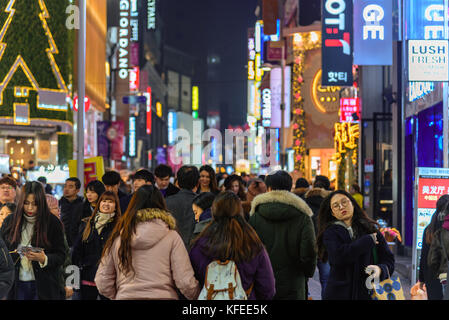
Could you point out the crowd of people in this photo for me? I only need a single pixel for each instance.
(175, 236)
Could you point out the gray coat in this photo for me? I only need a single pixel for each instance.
(180, 206)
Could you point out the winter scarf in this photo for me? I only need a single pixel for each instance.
(26, 272)
(102, 219)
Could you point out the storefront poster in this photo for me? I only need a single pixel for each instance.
(93, 169)
(431, 184)
(115, 134)
(102, 139)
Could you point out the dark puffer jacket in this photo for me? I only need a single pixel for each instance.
(283, 222)
(6, 270)
(314, 197)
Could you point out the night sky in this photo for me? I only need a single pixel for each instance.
(214, 30)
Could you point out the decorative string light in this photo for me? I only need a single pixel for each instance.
(302, 42)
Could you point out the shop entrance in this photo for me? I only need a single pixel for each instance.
(21, 151)
(376, 171)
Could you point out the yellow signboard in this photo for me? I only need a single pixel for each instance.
(93, 169)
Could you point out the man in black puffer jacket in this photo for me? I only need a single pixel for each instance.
(6, 270)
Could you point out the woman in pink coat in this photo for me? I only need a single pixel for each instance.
(145, 258)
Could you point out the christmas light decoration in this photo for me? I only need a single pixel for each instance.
(302, 43)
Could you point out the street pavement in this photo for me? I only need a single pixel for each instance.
(402, 266)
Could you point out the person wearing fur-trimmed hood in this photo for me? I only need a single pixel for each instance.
(145, 257)
(283, 222)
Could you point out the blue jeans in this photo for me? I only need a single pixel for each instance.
(323, 269)
(26, 290)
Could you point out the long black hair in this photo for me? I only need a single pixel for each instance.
(361, 223)
(437, 218)
(43, 215)
(228, 235)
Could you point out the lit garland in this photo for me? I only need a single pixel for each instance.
(346, 140)
(302, 42)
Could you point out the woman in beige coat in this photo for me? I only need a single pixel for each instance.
(145, 258)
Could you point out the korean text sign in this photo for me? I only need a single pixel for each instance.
(373, 32)
(337, 49)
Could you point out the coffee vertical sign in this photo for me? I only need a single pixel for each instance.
(337, 48)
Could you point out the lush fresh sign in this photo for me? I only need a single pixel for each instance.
(428, 60)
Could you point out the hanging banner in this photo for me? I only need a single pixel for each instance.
(430, 185)
(115, 134)
(337, 49)
(373, 32)
(425, 19)
(276, 96)
(93, 169)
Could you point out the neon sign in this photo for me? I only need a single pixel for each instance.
(124, 40)
(337, 43)
(266, 107)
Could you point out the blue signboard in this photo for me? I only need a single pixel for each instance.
(337, 49)
(425, 19)
(134, 99)
(373, 32)
(132, 146)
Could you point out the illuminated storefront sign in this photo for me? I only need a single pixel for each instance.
(418, 90)
(134, 21)
(349, 107)
(425, 19)
(431, 184)
(276, 96)
(134, 75)
(172, 125)
(346, 138)
(195, 98)
(266, 107)
(132, 137)
(159, 109)
(123, 52)
(325, 99)
(428, 60)
(373, 32)
(337, 30)
(86, 103)
(149, 102)
(151, 14)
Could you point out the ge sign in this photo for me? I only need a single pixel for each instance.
(373, 15)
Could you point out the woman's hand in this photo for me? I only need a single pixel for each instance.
(373, 270)
(36, 256)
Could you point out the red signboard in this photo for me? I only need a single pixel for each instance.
(149, 110)
(349, 106)
(134, 79)
(430, 190)
(86, 103)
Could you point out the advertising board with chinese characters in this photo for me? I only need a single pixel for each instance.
(350, 107)
(430, 185)
(337, 48)
(346, 138)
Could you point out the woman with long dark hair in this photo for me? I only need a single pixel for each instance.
(87, 249)
(38, 271)
(230, 237)
(94, 190)
(145, 257)
(208, 180)
(349, 240)
(234, 183)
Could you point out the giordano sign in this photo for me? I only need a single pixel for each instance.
(325, 99)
